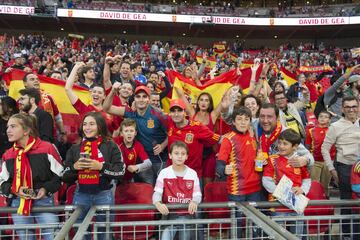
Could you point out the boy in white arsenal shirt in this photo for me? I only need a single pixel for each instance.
(177, 184)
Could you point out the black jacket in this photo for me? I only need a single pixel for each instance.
(113, 167)
(45, 124)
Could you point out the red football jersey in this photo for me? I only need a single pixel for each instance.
(194, 134)
(278, 166)
(240, 151)
(178, 189)
(82, 109)
(132, 156)
(315, 138)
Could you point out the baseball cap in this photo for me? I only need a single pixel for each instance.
(177, 103)
(354, 78)
(142, 88)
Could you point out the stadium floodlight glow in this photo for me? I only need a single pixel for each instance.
(275, 36)
(237, 36)
(184, 34)
(62, 29)
(124, 32)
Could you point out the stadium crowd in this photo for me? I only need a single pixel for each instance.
(250, 139)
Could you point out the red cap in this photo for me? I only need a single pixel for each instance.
(177, 103)
(143, 88)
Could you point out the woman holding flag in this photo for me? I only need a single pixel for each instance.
(30, 175)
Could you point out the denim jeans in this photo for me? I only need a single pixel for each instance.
(296, 227)
(86, 201)
(184, 230)
(252, 197)
(39, 218)
(344, 173)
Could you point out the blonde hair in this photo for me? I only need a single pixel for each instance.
(27, 122)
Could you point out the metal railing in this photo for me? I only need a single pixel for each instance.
(67, 216)
(227, 220)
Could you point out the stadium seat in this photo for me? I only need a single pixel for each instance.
(317, 193)
(70, 194)
(216, 192)
(134, 193)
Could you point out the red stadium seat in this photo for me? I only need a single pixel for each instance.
(317, 193)
(134, 193)
(70, 195)
(216, 192)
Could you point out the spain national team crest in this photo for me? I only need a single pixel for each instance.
(170, 132)
(189, 138)
(297, 171)
(150, 123)
(131, 156)
(189, 184)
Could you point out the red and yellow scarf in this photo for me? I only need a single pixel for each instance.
(92, 148)
(266, 142)
(23, 175)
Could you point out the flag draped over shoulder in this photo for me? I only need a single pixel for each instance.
(215, 87)
(55, 88)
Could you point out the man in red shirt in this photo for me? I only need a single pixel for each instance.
(314, 140)
(193, 133)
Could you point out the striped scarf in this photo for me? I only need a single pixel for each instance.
(23, 175)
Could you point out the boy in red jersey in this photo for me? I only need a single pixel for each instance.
(278, 166)
(177, 184)
(134, 155)
(314, 140)
(237, 160)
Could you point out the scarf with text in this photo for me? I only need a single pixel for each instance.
(91, 147)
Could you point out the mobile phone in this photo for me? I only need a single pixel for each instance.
(84, 155)
(30, 192)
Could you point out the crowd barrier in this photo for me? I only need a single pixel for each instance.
(214, 221)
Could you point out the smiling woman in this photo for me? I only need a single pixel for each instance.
(93, 164)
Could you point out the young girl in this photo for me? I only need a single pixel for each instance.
(37, 165)
(93, 164)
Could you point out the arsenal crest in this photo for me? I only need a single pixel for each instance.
(189, 184)
(189, 138)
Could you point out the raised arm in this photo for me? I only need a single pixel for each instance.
(106, 73)
(189, 109)
(70, 82)
(107, 105)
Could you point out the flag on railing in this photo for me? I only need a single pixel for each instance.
(56, 88)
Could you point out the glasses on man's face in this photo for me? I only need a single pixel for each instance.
(351, 107)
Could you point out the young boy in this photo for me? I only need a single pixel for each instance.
(135, 157)
(177, 184)
(278, 166)
(314, 140)
(237, 160)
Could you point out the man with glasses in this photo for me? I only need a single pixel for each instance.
(345, 135)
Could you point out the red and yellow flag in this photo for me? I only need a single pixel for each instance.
(56, 88)
(210, 62)
(216, 87)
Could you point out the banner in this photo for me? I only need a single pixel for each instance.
(55, 88)
(219, 48)
(315, 69)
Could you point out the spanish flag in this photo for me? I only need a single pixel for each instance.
(56, 88)
(215, 87)
(219, 48)
(288, 76)
(210, 62)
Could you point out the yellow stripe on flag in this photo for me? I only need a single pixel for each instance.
(56, 91)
